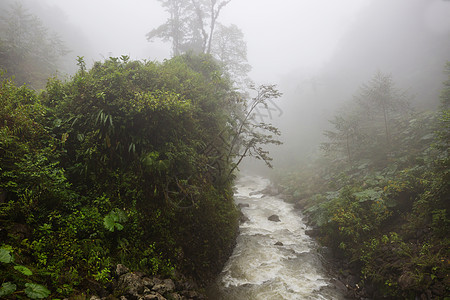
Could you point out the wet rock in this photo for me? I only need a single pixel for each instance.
(243, 218)
(278, 244)
(241, 205)
(339, 285)
(352, 280)
(175, 296)
(131, 283)
(164, 287)
(121, 269)
(314, 232)
(274, 218)
(153, 296)
(149, 282)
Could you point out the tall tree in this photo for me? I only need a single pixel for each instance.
(380, 98)
(364, 127)
(176, 27)
(230, 49)
(193, 26)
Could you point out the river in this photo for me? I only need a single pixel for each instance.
(260, 269)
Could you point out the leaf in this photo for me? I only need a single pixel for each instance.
(111, 220)
(7, 289)
(5, 256)
(24, 270)
(36, 291)
(369, 194)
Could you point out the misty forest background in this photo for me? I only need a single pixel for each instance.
(133, 161)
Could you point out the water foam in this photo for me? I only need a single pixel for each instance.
(259, 269)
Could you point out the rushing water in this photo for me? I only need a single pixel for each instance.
(259, 269)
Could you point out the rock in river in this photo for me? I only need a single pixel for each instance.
(274, 218)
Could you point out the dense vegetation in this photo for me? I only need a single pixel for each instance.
(380, 194)
(115, 166)
(128, 162)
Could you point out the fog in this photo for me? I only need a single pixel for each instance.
(280, 35)
(318, 52)
(138, 169)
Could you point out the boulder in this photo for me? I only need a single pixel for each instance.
(153, 296)
(278, 244)
(241, 205)
(121, 269)
(274, 218)
(243, 218)
(132, 284)
(339, 285)
(175, 296)
(313, 232)
(165, 286)
(149, 282)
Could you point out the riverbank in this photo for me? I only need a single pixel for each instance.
(126, 285)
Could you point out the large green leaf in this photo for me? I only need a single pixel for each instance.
(36, 291)
(7, 289)
(24, 270)
(112, 220)
(5, 256)
(369, 194)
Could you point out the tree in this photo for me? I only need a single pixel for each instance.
(247, 136)
(364, 128)
(27, 50)
(176, 27)
(344, 137)
(202, 8)
(380, 99)
(230, 49)
(193, 26)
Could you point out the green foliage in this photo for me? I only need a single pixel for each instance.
(113, 166)
(32, 290)
(155, 262)
(388, 214)
(5, 256)
(7, 289)
(36, 291)
(113, 219)
(24, 270)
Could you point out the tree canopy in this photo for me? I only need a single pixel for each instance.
(193, 26)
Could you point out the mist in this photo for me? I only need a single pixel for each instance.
(225, 149)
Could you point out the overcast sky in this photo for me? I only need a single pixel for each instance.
(281, 35)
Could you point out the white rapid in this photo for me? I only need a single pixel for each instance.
(260, 269)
